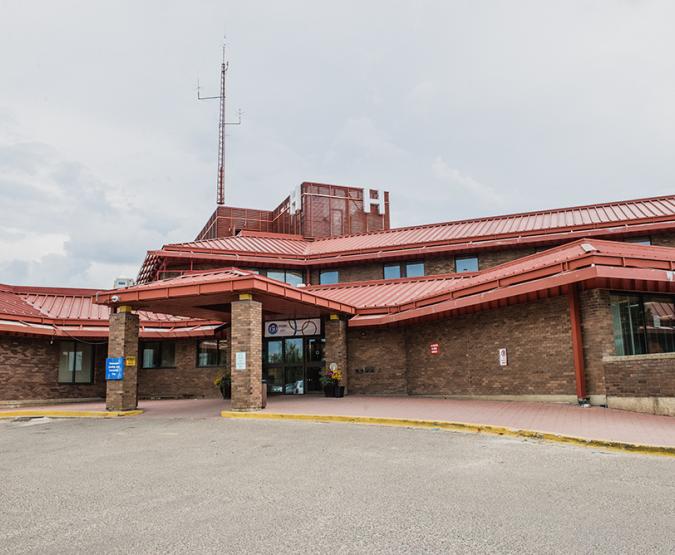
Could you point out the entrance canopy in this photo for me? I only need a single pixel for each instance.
(209, 295)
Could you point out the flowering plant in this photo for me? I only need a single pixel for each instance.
(330, 377)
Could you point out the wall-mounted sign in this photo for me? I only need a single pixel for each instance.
(240, 360)
(130, 361)
(503, 357)
(289, 328)
(114, 368)
(434, 348)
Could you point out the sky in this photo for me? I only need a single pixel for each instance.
(459, 108)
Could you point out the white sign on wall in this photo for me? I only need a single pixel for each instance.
(290, 328)
(240, 360)
(503, 357)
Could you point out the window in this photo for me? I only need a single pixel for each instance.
(403, 269)
(76, 362)
(158, 354)
(640, 240)
(329, 277)
(643, 324)
(292, 277)
(392, 271)
(212, 352)
(466, 264)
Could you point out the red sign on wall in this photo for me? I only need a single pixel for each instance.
(434, 348)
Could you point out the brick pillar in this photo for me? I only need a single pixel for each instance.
(246, 337)
(336, 346)
(123, 342)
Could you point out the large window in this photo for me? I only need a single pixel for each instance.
(158, 354)
(397, 270)
(329, 277)
(212, 352)
(640, 240)
(643, 324)
(76, 362)
(466, 264)
(292, 277)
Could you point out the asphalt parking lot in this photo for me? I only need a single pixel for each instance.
(177, 485)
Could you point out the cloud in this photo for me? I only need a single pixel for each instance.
(465, 184)
(58, 221)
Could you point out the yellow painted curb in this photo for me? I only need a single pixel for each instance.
(460, 427)
(70, 413)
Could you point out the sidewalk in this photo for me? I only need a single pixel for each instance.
(593, 423)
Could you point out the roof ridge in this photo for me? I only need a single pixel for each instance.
(501, 217)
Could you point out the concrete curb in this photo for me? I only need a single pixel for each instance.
(461, 427)
(26, 413)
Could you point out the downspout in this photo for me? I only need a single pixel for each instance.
(577, 345)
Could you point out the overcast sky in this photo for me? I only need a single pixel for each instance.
(458, 108)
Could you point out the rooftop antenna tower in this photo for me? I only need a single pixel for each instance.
(222, 122)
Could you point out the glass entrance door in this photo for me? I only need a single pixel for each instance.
(292, 365)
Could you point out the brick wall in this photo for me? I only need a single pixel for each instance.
(489, 259)
(377, 361)
(444, 264)
(597, 334)
(666, 239)
(640, 376)
(536, 336)
(29, 370)
(186, 380)
(246, 336)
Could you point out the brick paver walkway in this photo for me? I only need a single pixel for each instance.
(589, 423)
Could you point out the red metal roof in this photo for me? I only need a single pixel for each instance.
(565, 224)
(381, 293)
(595, 263)
(59, 311)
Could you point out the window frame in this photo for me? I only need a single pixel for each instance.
(403, 268)
(644, 240)
(92, 363)
(331, 271)
(644, 336)
(467, 257)
(220, 362)
(161, 357)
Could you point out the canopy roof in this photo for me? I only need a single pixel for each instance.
(64, 312)
(631, 217)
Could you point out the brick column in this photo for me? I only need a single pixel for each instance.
(336, 346)
(246, 337)
(123, 342)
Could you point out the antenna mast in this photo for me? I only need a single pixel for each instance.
(220, 192)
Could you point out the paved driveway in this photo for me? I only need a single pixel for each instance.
(176, 485)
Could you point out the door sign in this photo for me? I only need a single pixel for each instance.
(114, 368)
(290, 328)
(240, 360)
(503, 357)
(434, 348)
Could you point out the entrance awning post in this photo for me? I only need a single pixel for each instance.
(246, 353)
(335, 349)
(122, 394)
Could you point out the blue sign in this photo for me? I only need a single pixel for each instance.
(114, 368)
(273, 329)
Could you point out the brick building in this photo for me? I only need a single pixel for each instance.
(562, 305)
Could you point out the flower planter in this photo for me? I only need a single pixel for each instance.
(226, 390)
(334, 390)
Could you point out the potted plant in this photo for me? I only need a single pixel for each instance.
(330, 379)
(224, 383)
